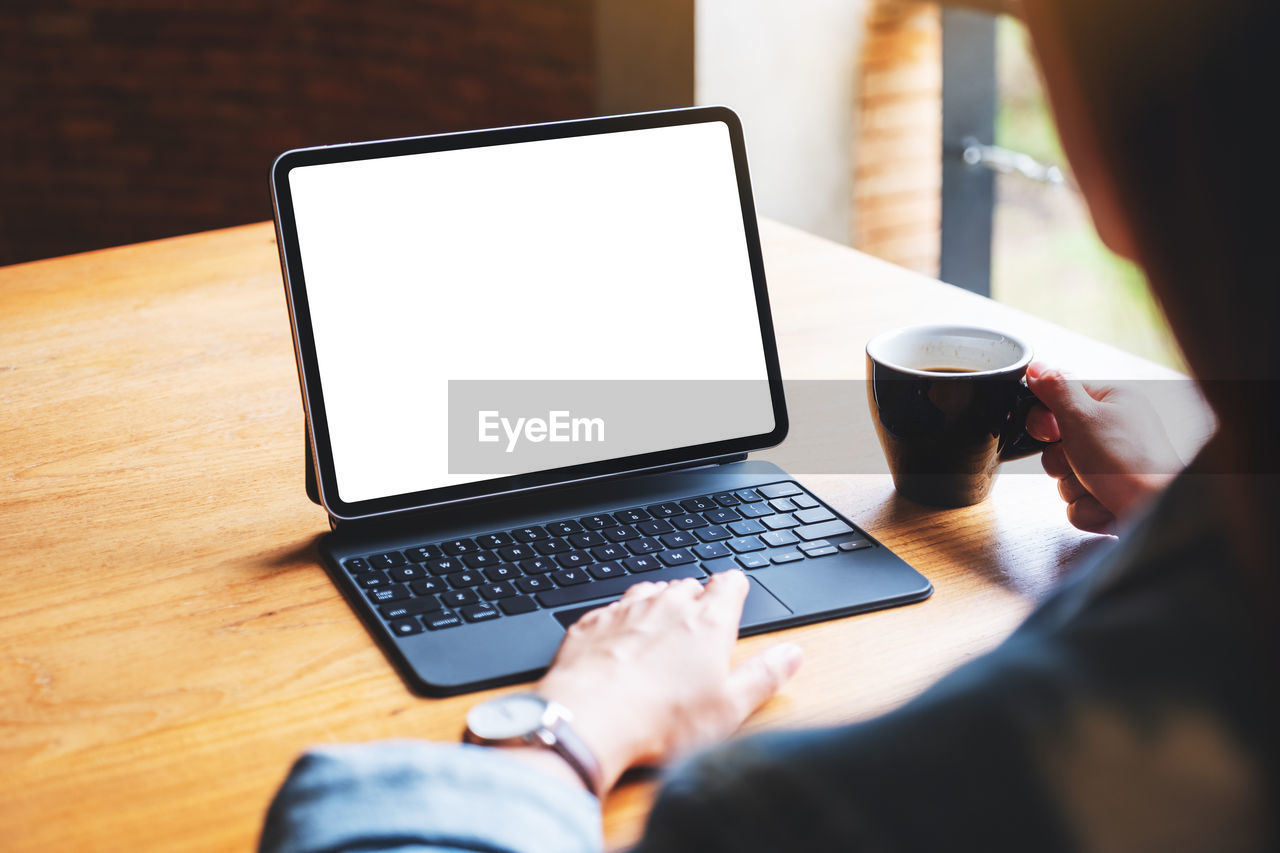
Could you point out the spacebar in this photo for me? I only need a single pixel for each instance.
(614, 586)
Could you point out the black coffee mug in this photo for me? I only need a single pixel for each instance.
(949, 404)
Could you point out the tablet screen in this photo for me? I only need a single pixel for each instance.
(510, 309)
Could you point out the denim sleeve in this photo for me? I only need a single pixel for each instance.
(407, 795)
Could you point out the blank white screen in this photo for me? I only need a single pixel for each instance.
(614, 256)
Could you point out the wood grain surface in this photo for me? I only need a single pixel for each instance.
(169, 641)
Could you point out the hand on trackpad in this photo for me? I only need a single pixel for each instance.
(759, 607)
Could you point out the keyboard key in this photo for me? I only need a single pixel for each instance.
(443, 619)
(608, 552)
(666, 510)
(530, 534)
(804, 501)
(644, 546)
(494, 540)
(778, 522)
(409, 607)
(547, 547)
(744, 544)
(479, 612)
(534, 584)
(711, 551)
(621, 533)
(502, 573)
(675, 557)
(389, 560)
(423, 553)
(481, 559)
(813, 516)
(356, 565)
(495, 591)
(631, 516)
(782, 505)
(779, 490)
(427, 586)
(811, 546)
(371, 580)
(516, 553)
(387, 593)
(570, 577)
(787, 557)
(822, 530)
(598, 522)
(642, 564)
(855, 545)
(746, 528)
(613, 586)
(564, 528)
(654, 528)
(406, 627)
(753, 561)
(726, 499)
(586, 540)
(461, 580)
(516, 606)
(747, 495)
(688, 522)
(459, 597)
(698, 504)
(679, 539)
(778, 538)
(755, 510)
(822, 552)
(573, 559)
(712, 534)
(444, 565)
(457, 547)
(721, 516)
(603, 571)
(539, 565)
(404, 574)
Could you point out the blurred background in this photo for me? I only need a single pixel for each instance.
(913, 131)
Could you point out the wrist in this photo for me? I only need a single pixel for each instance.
(608, 735)
(545, 762)
(533, 722)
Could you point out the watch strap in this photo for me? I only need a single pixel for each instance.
(566, 743)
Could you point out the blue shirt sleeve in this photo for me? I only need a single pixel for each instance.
(406, 795)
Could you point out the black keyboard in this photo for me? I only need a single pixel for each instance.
(448, 584)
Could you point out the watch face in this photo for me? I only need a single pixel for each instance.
(507, 717)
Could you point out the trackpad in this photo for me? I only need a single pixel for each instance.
(760, 607)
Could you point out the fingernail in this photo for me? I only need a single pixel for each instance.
(788, 656)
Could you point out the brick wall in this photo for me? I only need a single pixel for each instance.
(897, 180)
(125, 120)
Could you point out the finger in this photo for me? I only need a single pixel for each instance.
(644, 589)
(725, 594)
(1054, 461)
(757, 679)
(1042, 425)
(1091, 516)
(1066, 398)
(1071, 489)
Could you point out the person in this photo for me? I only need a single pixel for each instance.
(1134, 709)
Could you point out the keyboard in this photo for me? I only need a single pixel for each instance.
(451, 584)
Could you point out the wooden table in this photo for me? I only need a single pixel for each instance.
(169, 642)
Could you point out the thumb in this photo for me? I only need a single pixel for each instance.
(1066, 398)
(757, 679)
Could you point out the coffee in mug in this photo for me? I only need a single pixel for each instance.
(949, 405)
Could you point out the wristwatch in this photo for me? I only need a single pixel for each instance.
(530, 719)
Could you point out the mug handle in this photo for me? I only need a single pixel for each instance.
(1016, 442)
